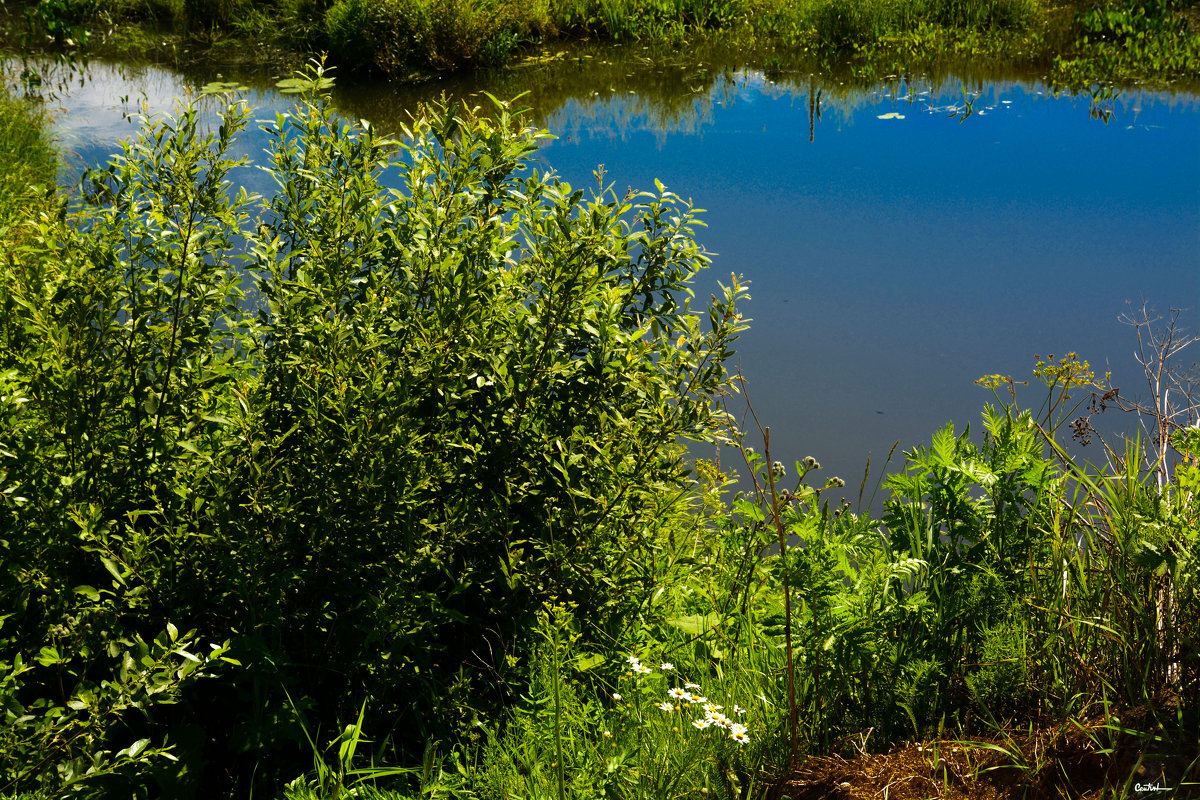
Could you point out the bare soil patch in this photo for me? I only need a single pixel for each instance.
(1082, 760)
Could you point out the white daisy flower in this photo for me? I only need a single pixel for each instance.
(691, 686)
(641, 669)
(679, 694)
(740, 738)
(735, 729)
(711, 707)
(700, 723)
(666, 706)
(739, 710)
(616, 696)
(666, 666)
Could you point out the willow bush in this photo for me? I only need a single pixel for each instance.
(361, 432)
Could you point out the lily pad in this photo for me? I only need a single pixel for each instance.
(221, 87)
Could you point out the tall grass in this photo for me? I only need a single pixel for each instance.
(397, 37)
(1012, 599)
(360, 31)
(1084, 42)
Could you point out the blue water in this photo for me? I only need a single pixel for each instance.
(905, 250)
(893, 261)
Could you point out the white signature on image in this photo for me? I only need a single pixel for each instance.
(1150, 787)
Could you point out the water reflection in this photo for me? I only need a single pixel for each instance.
(902, 238)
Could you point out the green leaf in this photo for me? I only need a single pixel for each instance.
(222, 87)
(695, 624)
(589, 661)
(302, 85)
(114, 569)
(11, 705)
(135, 749)
(48, 656)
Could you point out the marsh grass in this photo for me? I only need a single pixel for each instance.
(1130, 39)
(491, 32)
(588, 728)
(1085, 42)
(1079, 45)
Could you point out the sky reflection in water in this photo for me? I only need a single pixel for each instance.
(905, 251)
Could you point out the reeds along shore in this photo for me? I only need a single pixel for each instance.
(1083, 42)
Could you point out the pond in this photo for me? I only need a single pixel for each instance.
(901, 239)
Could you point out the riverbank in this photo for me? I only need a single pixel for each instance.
(440, 521)
(1076, 43)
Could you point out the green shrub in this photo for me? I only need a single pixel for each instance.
(64, 19)
(842, 23)
(1129, 39)
(399, 36)
(488, 32)
(389, 35)
(442, 406)
(347, 24)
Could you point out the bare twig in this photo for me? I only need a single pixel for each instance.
(1174, 388)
